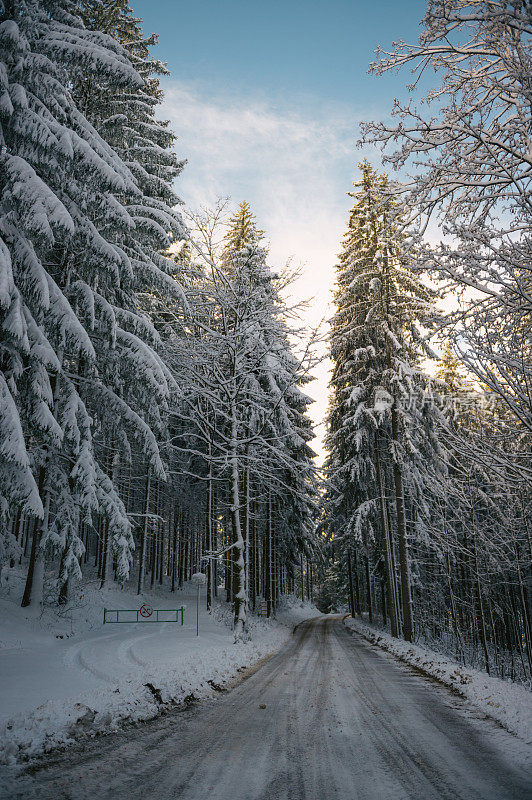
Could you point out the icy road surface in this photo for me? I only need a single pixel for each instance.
(329, 716)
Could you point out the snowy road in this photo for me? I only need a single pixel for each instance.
(329, 716)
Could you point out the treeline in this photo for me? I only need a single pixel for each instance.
(150, 398)
(428, 496)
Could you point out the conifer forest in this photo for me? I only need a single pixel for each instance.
(157, 379)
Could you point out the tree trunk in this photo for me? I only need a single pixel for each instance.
(210, 545)
(358, 609)
(35, 576)
(268, 558)
(480, 606)
(368, 582)
(351, 589)
(239, 566)
(253, 556)
(388, 560)
(246, 531)
(404, 565)
(144, 533)
(107, 550)
(174, 548)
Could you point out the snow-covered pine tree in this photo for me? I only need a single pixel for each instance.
(378, 416)
(242, 232)
(278, 460)
(72, 333)
(470, 143)
(125, 116)
(243, 411)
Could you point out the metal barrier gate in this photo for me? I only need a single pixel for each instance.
(143, 614)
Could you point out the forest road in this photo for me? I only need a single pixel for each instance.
(329, 716)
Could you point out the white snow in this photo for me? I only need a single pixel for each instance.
(508, 703)
(65, 677)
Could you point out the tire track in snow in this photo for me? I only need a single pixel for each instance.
(77, 656)
(126, 652)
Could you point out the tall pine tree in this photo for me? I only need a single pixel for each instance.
(378, 416)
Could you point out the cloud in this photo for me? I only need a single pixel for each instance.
(293, 161)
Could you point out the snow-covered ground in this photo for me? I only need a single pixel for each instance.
(508, 703)
(67, 676)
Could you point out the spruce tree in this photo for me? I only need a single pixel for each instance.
(246, 414)
(74, 337)
(258, 406)
(375, 421)
(242, 231)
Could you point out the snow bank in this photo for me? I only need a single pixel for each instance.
(58, 722)
(91, 680)
(508, 703)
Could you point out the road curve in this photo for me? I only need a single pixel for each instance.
(329, 716)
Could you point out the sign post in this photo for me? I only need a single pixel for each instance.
(199, 579)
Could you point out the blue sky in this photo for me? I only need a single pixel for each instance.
(283, 47)
(266, 99)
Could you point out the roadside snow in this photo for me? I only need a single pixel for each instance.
(293, 611)
(67, 676)
(508, 703)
